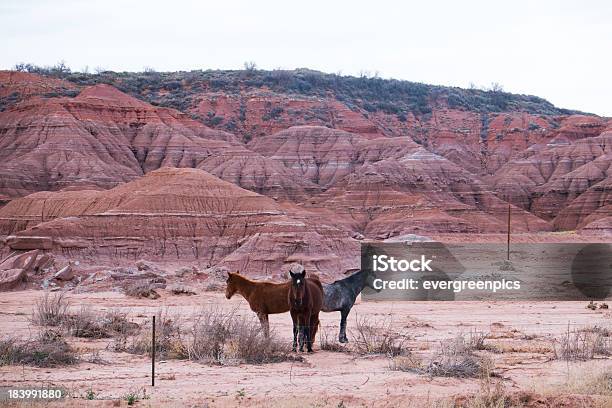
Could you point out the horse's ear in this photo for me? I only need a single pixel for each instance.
(291, 275)
(303, 274)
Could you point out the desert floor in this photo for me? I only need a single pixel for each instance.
(522, 330)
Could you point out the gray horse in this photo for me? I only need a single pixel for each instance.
(340, 296)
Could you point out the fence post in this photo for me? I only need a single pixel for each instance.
(508, 250)
(153, 356)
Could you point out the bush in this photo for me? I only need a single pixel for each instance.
(329, 343)
(49, 349)
(141, 289)
(220, 337)
(378, 339)
(90, 324)
(214, 337)
(168, 340)
(589, 380)
(181, 290)
(51, 310)
(582, 344)
(455, 358)
(409, 363)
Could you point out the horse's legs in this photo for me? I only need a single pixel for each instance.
(307, 331)
(302, 331)
(265, 324)
(295, 331)
(312, 331)
(343, 315)
(295, 334)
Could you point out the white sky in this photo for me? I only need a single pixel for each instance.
(559, 50)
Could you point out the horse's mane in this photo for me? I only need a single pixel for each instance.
(315, 278)
(351, 277)
(244, 279)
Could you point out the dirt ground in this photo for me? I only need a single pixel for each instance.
(522, 330)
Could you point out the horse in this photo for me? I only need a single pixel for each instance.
(264, 298)
(340, 296)
(305, 302)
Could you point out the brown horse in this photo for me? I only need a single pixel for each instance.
(264, 297)
(305, 302)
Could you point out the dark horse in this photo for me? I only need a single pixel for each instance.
(340, 296)
(305, 301)
(264, 297)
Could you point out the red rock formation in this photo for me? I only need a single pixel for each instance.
(104, 137)
(258, 114)
(551, 180)
(184, 214)
(321, 155)
(104, 175)
(388, 186)
(22, 85)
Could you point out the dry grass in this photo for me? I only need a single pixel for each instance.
(168, 339)
(583, 344)
(182, 290)
(222, 337)
(538, 347)
(409, 363)
(141, 289)
(378, 338)
(492, 394)
(96, 325)
(215, 336)
(456, 358)
(328, 342)
(589, 381)
(51, 309)
(48, 349)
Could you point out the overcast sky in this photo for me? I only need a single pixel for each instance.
(559, 50)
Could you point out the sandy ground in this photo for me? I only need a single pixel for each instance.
(523, 329)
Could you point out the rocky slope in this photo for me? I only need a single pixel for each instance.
(171, 213)
(254, 172)
(104, 137)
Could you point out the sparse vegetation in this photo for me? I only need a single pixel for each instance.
(456, 358)
(378, 338)
(97, 325)
(51, 309)
(582, 344)
(90, 395)
(223, 337)
(215, 336)
(48, 349)
(133, 397)
(409, 363)
(369, 92)
(329, 342)
(182, 290)
(589, 380)
(141, 289)
(492, 394)
(168, 340)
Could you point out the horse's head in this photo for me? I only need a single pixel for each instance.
(298, 286)
(231, 287)
(369, 280)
